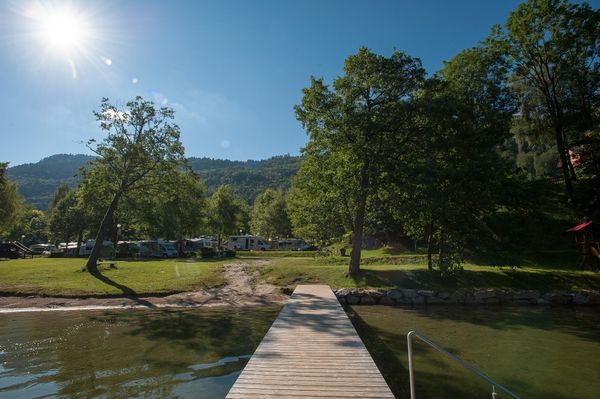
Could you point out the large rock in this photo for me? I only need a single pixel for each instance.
(434, 300)
(386, 300)
(580, 299)
(594, 298)
(480, 295)
(375, 294)
(558, 298)
(526, 295)
(443, 295)
(459, 296)
(395, 294)
(367, 300)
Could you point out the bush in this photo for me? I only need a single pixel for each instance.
(207, 252)
(228, 253)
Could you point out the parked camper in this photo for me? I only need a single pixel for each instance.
(158, 249)
(247, 243)
(196, 244)
(39, 249)
(85, 249)
(68, 248)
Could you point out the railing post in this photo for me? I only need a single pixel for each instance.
(411, 373)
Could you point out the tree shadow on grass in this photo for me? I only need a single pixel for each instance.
(128, 292)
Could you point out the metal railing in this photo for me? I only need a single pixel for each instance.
(452, 356)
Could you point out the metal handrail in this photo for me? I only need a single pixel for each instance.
(452, 356)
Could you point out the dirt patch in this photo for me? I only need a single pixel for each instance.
(241, 290)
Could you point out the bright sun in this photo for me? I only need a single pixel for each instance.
(63, 30)
(67, 33)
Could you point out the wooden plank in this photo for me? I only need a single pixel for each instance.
(311, 351)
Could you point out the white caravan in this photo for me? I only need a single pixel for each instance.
(86, 248)
(196, 244)
(158, 249)
(247, 243)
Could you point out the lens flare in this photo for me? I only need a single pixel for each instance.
(63, 30)
(78, 35)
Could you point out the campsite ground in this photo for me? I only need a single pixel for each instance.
(267, 274)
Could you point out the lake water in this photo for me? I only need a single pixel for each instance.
(128, 354)
(537, 352)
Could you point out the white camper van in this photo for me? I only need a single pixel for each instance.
(158, 249)
(247, 243)
(86, 248)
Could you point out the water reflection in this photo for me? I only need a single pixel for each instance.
(145, 353)
(534, 351)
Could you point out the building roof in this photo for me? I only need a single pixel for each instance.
(580, 226)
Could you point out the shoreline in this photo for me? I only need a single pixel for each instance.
(10, 305)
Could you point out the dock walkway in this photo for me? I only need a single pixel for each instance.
(311, 351)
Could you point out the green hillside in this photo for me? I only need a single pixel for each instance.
(38, 181)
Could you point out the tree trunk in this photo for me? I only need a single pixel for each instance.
(430, 247)
(359, 221)
(563, 152)
(441, 253)
(92, 261)
(357, 237)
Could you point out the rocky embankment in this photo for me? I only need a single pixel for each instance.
(463, 296)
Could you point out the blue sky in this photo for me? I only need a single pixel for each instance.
(232, 70)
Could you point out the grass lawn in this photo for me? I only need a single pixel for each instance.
(541, 271)
(546, 271)
(64, 276)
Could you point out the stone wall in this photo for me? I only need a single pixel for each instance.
(361, 296)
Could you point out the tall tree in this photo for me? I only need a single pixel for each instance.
(554, 48)
(67, 217)
(269, 215)
(319, 204)
(142, 145)
(175, 211)
(226, 213)
(458, 175)
(9, 199)
(358, 122)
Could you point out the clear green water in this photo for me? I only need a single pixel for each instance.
(128, 354)
(537, 352)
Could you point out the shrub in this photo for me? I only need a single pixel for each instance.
(207, 252)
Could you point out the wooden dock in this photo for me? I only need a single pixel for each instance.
(311, 351)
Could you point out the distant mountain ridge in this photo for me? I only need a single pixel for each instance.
(38, 181)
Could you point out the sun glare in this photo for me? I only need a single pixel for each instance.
(67, 32)
(63, 30)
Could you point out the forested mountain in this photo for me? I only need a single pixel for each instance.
(38, 181)
(249, 178)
